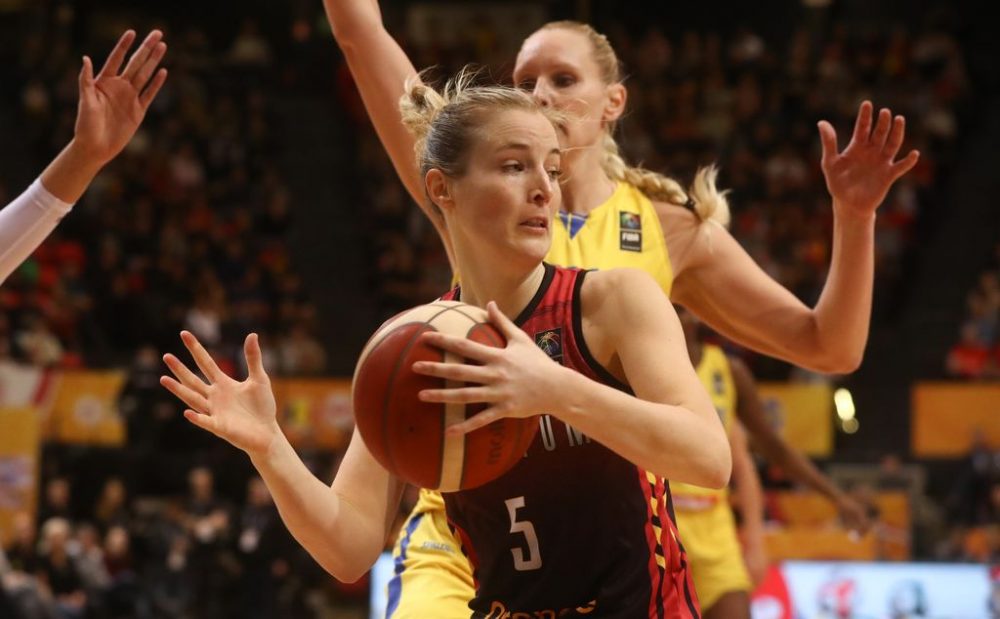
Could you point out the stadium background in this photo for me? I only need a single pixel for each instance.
(256, 197)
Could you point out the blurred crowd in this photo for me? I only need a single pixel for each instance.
(973, 508)
(976, 354)
(187, 229)
(195, 556)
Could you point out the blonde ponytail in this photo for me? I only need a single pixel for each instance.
(703, 198)
(710, 204)
(419, 106)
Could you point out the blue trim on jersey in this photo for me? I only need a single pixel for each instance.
(573, 222)
(396, 584)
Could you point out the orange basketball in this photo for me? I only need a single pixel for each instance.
(407, 435)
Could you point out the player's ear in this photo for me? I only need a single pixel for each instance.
(438, 189)
(615, 105)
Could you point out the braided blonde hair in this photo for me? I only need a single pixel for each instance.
(703, 197)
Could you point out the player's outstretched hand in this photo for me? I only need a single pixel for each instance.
(860, 177)
(241, 412)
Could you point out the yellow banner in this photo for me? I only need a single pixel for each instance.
(812, 529)
(85, 408)
(802, 414)
(19, 441)
(946, 416)
(315, 412)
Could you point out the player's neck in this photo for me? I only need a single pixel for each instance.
(585, 185)
(511, 289)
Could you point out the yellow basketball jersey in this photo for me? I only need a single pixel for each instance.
(704, 518)
(715, 375)
(624, 231)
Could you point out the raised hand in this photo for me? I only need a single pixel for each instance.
(517, 381)
(114, 102)
(243, 413)
(860, 177)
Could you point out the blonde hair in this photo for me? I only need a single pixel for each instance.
(703, 197)
(443, 122)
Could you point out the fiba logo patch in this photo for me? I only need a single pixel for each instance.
(550, 341)
(630, 231)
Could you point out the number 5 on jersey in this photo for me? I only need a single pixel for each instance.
(534, 559)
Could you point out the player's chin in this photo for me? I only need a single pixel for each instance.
(537, 249)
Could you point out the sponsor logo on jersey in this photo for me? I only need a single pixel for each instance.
(498, 610)
(439, 546)
(630, 221)
(630, 231)
(550, 341)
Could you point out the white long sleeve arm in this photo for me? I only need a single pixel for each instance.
(25, 223)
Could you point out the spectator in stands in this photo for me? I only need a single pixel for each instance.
(37, 344)
(892, 475)
(22, 554)
(89, 557)
(209, 526)
(7, 606)
(20, 594)
(122, 598)
(300, 353)
(264, 550)
(112, 505)
(969, 502)
(977, 353)
(170, 581)
(58, 572)
(971, 357)
(56, 503)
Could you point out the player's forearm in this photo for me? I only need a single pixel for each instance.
(843, 313)
(71, 172)
(749, 494)
(381, 69)
(351, 18)
(669, 441)
(799, 467)
(328, 527)
(26, 222)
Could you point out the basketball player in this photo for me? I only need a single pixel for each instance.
(617, 215)
(704, 518)
(581, 525)
(111, 107)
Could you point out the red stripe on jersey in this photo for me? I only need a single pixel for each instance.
(682, 594)
(655, 573)
(686, 582)
(668, 532)
(671, 591)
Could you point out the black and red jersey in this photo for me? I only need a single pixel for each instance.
(573, 529)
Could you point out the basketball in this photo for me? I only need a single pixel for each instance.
(406, 435)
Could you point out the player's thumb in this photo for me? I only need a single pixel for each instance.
(255, 359)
